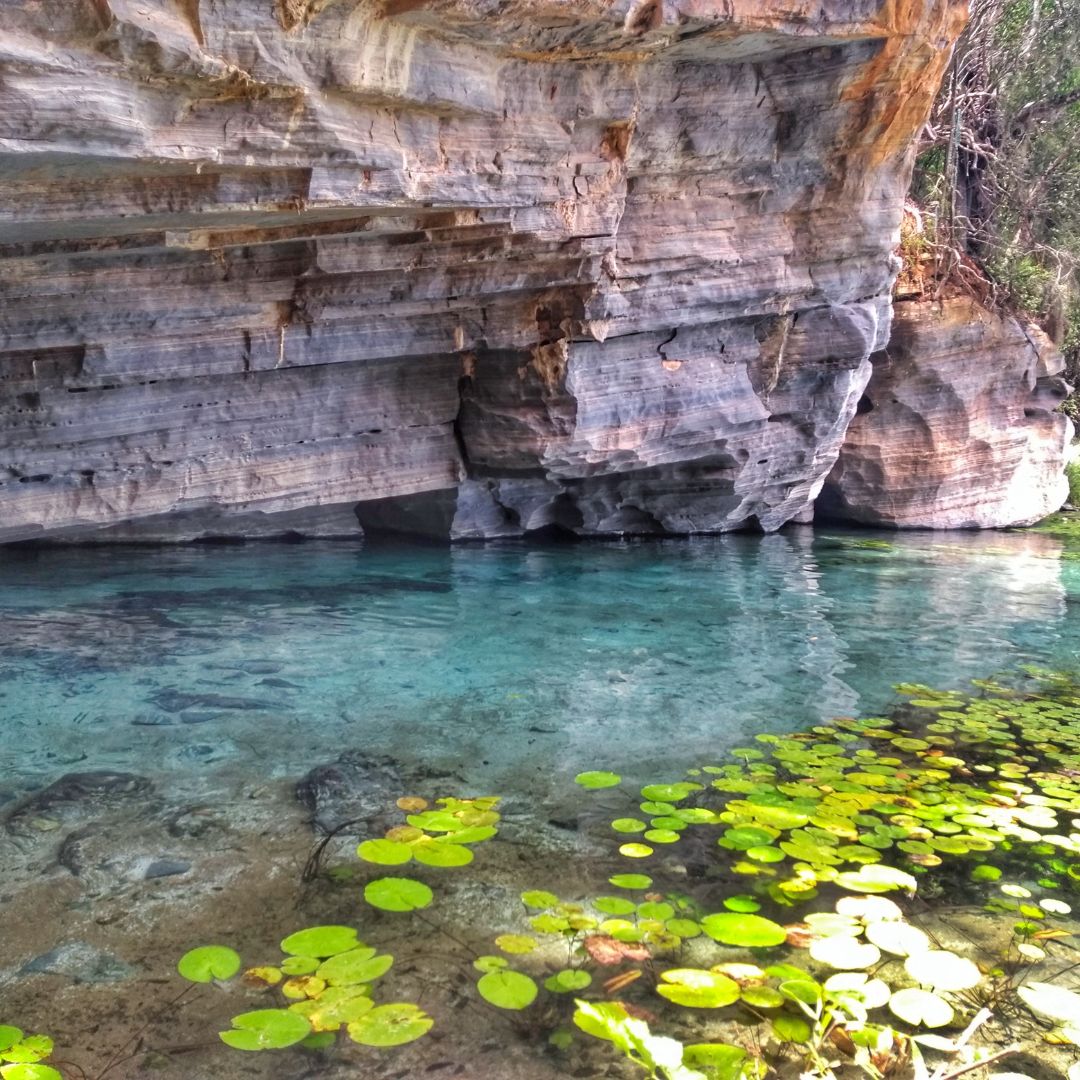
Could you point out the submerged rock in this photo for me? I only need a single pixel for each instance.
(80, 962)
(78, 793)
(357, 787)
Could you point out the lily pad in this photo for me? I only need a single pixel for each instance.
(752, 931)
(355, 966)
(596, 779)
(516, 943)
(844, 952)
(920, 1008)
(698, 989)
(943, 970)
(442, 854)
(538, 898)
(385, 852)
(397, 894)
(507, 989)
(29, 1072)
(390, 1025)
(209, 962)
(898, 938)
(321, 941)
(568, 980)
(631, 881)
(266, 1029)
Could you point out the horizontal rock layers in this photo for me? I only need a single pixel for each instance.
(474, 269)
(958, 427)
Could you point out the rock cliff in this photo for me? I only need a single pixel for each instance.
(474, 267)
(958, 427)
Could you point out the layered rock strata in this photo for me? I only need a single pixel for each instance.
(476, 269)
(958, 427)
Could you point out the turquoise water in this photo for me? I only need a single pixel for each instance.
(501, 662)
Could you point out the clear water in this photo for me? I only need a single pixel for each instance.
(501, 662)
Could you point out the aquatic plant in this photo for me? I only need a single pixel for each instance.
(22, 1056)
(326, 977)
(845, 811)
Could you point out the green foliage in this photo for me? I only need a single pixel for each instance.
(22, 1056)
(209, 962)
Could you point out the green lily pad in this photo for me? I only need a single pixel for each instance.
(9, 1036)
(876, 878)
(631, 881)
(303, 965)
(29, 1049)
(614, 905)
(321, 941)
(698, 989)
(355, 966)
(538, 898)
(595, 780)
(442, 854)
(507, 989)
(791, 1028)
(567, 981)
(743, 903)
(209, 962)
(266, 1029)
(397, 894)
(516, 944)
(628, 825)
(684, 928)
(390, 1025)
(385, 852)
(484, 964)
(762, 997)
(635, 851)
(669, 793)
(752, 931)
(29, 1072)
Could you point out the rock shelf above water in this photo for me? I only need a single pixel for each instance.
(471, 270)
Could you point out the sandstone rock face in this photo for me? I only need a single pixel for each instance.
(473, 268)
(958, 427)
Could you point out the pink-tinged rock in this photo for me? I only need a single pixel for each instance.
(468, 268)
(958, 427)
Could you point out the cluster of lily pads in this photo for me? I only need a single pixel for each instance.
(835, 815)
(22, 1056)
(327, 975)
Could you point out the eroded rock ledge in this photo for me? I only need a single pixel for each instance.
(479, 268)
(958, 427)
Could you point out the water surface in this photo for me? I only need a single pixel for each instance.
(498, 661)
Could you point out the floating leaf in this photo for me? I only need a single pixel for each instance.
(868, 909)
(568, 980)
(920, 1008)
(873, 993)
(266, 1029)
(261, 978)
(844, 952)
(876, 878)
(791, 1028)
(391, 1025)
(29, 1072)
(684, 928)
(485, 964)
(628, 825)
(442, 854)
(742, 903)
(412, 803)
(397, 894)
(762, 997)
(209, 962)
(635, 851)
(385, 852)
(753, 931)
(335, 1006)
(943, 970)
(516, 943)
(698, 989)
(631, 881)
(614, 905)
(303, 986)
(9, 1036)
(898, 938)
(507, 989)
(1052, 1002)
(608, 950)
(722, 1061)
(321, 941)
(355, 966)
(538, 898)
(592, 781)
(301, 965)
